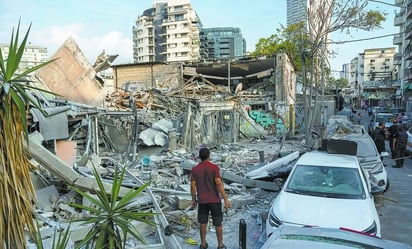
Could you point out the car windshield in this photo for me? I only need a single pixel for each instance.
(384, 118)
(366, 148)
(323, 181)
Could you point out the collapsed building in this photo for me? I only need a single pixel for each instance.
(176, 107)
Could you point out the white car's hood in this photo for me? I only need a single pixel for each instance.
(324, 212)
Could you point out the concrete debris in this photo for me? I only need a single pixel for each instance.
(274, 166)
(154, 130)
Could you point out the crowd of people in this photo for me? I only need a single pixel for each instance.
(397, 136)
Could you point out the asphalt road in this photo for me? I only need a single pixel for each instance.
(395, 210)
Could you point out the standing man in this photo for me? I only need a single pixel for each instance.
(399, 146)
(379, 137)
(206, 183)
(392, 130)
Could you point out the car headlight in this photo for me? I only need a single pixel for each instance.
(377, 168)
(273, 220)
(372, 229)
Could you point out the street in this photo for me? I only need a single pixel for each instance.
(396, 211)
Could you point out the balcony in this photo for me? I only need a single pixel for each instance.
(408, 32)
(397, 59)
(399, 18)
(397, 39)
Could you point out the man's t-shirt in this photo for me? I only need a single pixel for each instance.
(204, 174)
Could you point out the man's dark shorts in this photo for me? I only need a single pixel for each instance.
(215, 210)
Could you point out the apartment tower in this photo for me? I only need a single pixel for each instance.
(167, 32)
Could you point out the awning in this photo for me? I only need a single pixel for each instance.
(407, 86)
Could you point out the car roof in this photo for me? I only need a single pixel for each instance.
(384, 114)
(322, 158)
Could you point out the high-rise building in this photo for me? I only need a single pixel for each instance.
(167, 32)
(296, 11)
(32, 55)
(223, 43)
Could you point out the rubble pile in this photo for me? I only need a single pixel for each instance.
(168, 171)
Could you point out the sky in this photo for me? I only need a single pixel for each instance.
(98, 25)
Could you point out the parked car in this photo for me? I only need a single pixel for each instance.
(387, 118)
(287, 237)
(409, 143)
(325, 190)
(369, 160)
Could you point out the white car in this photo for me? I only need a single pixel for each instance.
(325, 190)
(409, 143)
(387, 118)
(370, 160)
(287, 237)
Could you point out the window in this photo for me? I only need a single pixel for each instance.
(386, 67)
(179, 17)
(372, 60)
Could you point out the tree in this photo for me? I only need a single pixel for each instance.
(337, 83)
(286, 40)
(16, 189)
(323, 18)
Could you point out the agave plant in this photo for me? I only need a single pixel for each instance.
(111, 217)
(60, 238)
(16, 189)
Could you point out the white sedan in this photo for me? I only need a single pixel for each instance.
(409, 143)
(325, 190)
(287, 237)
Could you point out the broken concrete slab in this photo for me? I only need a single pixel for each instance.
(267, 169)
(152, 137)
(72, 76)
(47, 198)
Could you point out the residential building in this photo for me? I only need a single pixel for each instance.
(403, 59)
(167, 32)
(32, 55)
(224, 42)
(372, 76)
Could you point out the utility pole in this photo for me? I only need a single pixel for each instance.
(228, 75)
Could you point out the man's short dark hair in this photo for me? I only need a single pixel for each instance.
(204, 154)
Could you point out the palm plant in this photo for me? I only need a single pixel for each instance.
(16, 189)
(111, 216)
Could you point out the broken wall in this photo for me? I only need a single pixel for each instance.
(285, 81)
(71, 76)
(210, 122)
(147, 75)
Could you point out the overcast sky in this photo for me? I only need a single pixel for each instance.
(107, 24)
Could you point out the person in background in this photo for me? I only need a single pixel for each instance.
(392, 130)
(399, 146)
(369, 111)
(379, 137)
(206, 187)
(400, 117)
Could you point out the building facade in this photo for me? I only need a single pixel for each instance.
(32, 56)
(403, 59)
(296, 11)
(223, 43)
(167, 32)
(371, 75)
